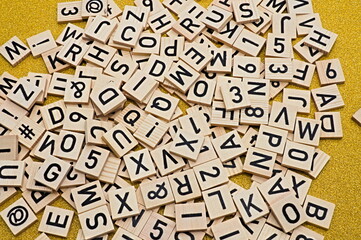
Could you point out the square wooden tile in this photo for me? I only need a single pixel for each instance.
(18, 208)
(211, 174)
(327, 98)
(271, 139)
(156, 193)
(92, 160)
(307, 131)
(319, 212)
(151, 131)
(162, 105)
(41, 43)
(298, 156)
(88, 196)
(139, 164)
(69, 145)
(231, 229)
(219, 202)
(12, 173)
(260, 162)
(56, 221)
(184, 186)
(330, 72)
(229, 146)
(158, 227)
(14, 51)
(123, 203)
(190, 217)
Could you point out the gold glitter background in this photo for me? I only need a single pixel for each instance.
(340, 181)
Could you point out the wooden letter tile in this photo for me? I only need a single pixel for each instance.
(298, 156)
(321, 39)
(123, 203)
(331, 126)
(69, 145)
(303, 232)
(96, 222)
(9, 147)
(219, 202)
(107, 98)
(229, 146)
(41, 43)
(88, 196)
(187, 144)
(139, 165)
(151, 131)
(231, 229)
(184, 186)
(250, 204)
(259, 162)
(162, 105)
(271, 139)
(307, 131)
(14, 51)
(56, 221)
(327, 98)
(319, 212)
(120, 140)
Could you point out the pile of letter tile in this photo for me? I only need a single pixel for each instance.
(118, 147)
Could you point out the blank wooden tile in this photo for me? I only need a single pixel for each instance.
(321, 39)
(298, 156)
(250, 204)
(14, 51)
(279, 69)
(229, 146)
(327, 98)
(307, 131)
(88, 196)
(158, 227)
(259, 162)
(156, 193)
(184, 186)
(269, 231)
(308, 53)
(92, 160)
(219, 202)
(289, 213)
(299, 98)
(92, 227)
(69, 145)
(9, 147)
(151, 131)
(73, 52)
(249, 43)
(52, 172)
(210, 174)
(18, 216)
(231, 229)
(42, 236)
(331, 126)
(303, 232)
(319, 212)
(115, 140)
(69, 12)
(302, 73)
(330, 71)
(248, 67)
(56, 221)
(123, 203)
(12, 173)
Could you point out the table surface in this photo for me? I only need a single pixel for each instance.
(340, 182)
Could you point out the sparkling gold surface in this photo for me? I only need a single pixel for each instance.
(339, 183)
